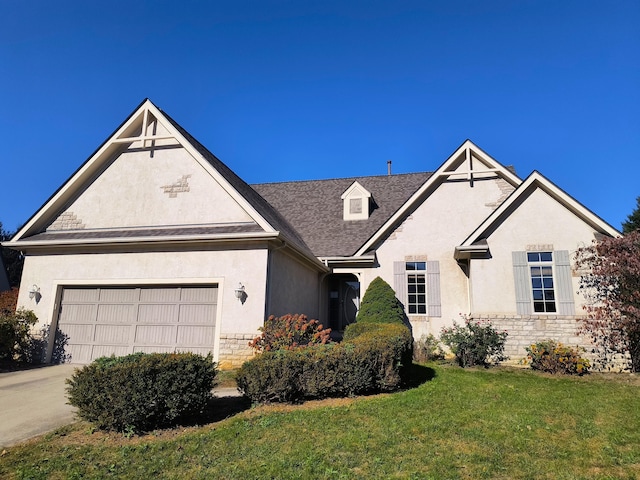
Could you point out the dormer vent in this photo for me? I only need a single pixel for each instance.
(356, 203)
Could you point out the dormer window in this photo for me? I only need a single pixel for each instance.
(356, 202)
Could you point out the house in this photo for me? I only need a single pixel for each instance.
(154, 244)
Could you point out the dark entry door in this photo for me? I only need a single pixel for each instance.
(344, 300)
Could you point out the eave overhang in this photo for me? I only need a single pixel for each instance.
(356, 261)
(466, 252)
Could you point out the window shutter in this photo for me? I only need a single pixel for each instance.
(434, 304)
(522, 283)
(564, 285)
(400, 282)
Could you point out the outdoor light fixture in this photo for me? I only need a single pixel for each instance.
(240, 292)
(34, 292)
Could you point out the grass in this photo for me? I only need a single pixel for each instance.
(497, 423)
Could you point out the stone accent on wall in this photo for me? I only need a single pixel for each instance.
(505, 190)
(523, 330)
(66, 221)
(235, 350)
(400, 227)
(180, 186)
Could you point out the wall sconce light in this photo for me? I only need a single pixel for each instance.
(240, 293)
(34, 292)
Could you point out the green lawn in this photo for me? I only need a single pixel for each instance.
(497, 423)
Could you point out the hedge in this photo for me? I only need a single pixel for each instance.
(142, 392)
(372, 357)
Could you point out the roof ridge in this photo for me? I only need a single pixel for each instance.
(342, 178)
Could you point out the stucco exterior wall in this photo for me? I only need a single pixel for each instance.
(431, 232)
(166, 188)
(539, 223)
(224, 268)
(293, 287)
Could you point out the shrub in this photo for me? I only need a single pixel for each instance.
(373, 357)
(15, 336)
(380, 305)
(372, 362)
(475, 343)
(141, 392)
(427, 349)
(8, 301)
(289, 332)
(554, 357)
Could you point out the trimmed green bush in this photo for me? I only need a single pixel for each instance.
(475, 343)
(142, 392)
(15, 336)
(554, 357)
(372, 357)
(380, 305)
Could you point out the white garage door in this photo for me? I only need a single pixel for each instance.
(98, 321)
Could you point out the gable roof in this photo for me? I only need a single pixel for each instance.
(467, 153)
(533, 182)
(315, 209)
(132, 130)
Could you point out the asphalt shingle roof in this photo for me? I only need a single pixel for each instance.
(314, 208)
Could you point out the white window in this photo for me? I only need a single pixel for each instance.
(542, 287)
(416, 288)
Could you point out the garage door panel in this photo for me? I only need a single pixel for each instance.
(160, 294)
(80, 295)
(79, 313)
(118, 295)
(78, 333)
(197, 314)
(103, 321)
(156, 334)
(112, 313)
(79, 353)
(157, 313)
(108, 350)
(152, 349)
(190, 335)
(199, 294)
(113, 334)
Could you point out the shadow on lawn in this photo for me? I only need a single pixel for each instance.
(417, 375)
(218, 409)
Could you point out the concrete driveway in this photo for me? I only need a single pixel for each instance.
(33, 402)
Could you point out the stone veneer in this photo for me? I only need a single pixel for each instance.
(66, 221)
(524, 330)
(234, 349)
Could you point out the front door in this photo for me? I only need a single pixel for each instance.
(344, 300)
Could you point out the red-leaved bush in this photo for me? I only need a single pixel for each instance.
(8, 301)
(611, 285)
(290, 332)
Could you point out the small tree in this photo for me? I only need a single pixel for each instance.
(13, 260)
(379, 304)
(611, 285)
(633, 220)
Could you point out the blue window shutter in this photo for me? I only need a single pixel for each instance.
(400, 282)
(522, 282)
(434, 304)
(563, 285)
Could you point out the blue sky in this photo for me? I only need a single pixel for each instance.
(294, 90)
